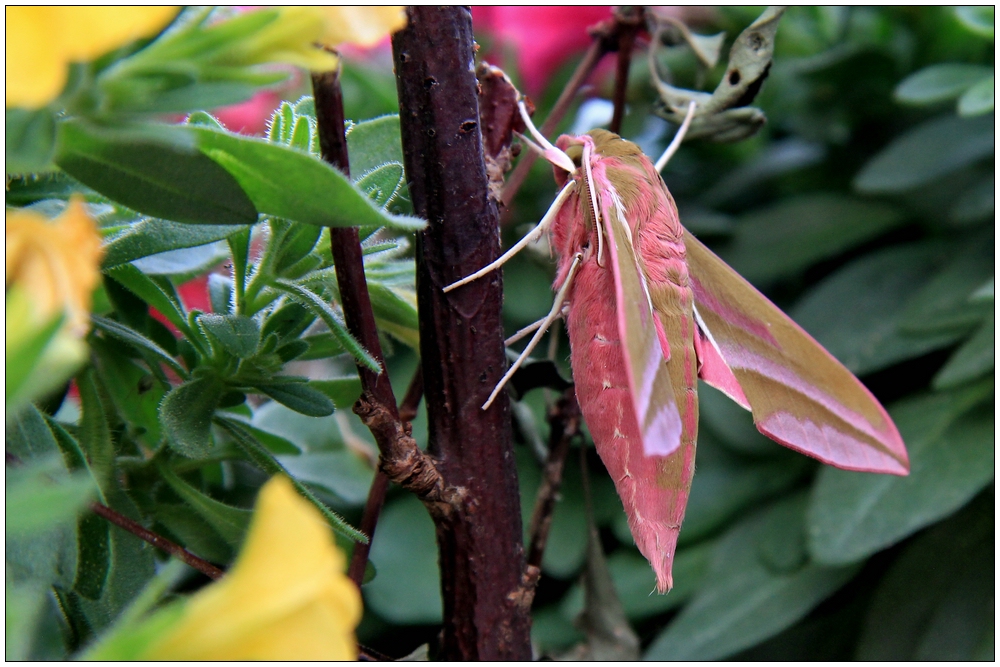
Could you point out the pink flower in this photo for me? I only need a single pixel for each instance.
(250, 117)
(542, 38)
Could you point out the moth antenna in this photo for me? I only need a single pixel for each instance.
(587, 150)
(675, 143)
(554, 155)
(531, 236)
(531, 144)
(553, 315)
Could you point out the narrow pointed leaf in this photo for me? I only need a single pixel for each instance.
(929, 151)
(266, 461)
(136, 339)
(973, 359)
(230, 522)
(276, 176)
(152, 236)
(157, 293)
(155, 170)
(299, 396)
(322, 310)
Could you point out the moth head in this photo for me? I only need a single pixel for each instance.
(572, 147)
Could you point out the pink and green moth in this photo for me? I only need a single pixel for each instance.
(649, 310)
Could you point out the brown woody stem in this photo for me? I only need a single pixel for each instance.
(380, 486)
(157, 541)
(461, 338)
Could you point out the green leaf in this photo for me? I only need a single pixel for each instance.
(372, 143)
(30, 140)
(727, 484)
(137, 340)
(978, 19)
(297, 244)
(184, 264)
(390, 306)
(126, 568)
(939, 83)
(797, 232)
(290, 184)
(322, 346)
(973, 359)
(22, 360)
(942, 304)
(406, 590)
(855, 313)
(266, 461)
(853, 514)
(344, 392)
(322, 310)
(343, 473)
(94, 433)
(41, 496)
(276, 444)
(186, 414)
(946, 578)
(744, 601)
(239, 335)
(158, 293)
(150, 237)
(23, 606)
(383, 183)
(220, 293)
(187, 527)
(230, 522)
(27, 436)
(976, 203)
(135, 393)
(155, 170)
(133, 631)
(978, 99)
(299, 396)
(927, 152)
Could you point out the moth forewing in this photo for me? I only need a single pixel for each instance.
(644, 344)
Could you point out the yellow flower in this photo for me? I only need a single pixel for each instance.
(52, 270)
(42, 41)
(293, 37)
(286, 598)
(55, 264)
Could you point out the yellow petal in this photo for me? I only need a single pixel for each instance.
(57, 263)
(285, 598)
(42, 41)
(363, 26)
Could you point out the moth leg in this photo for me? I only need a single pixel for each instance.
(524, 332)
(554, 313)
(531, 236)
(675, 143)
